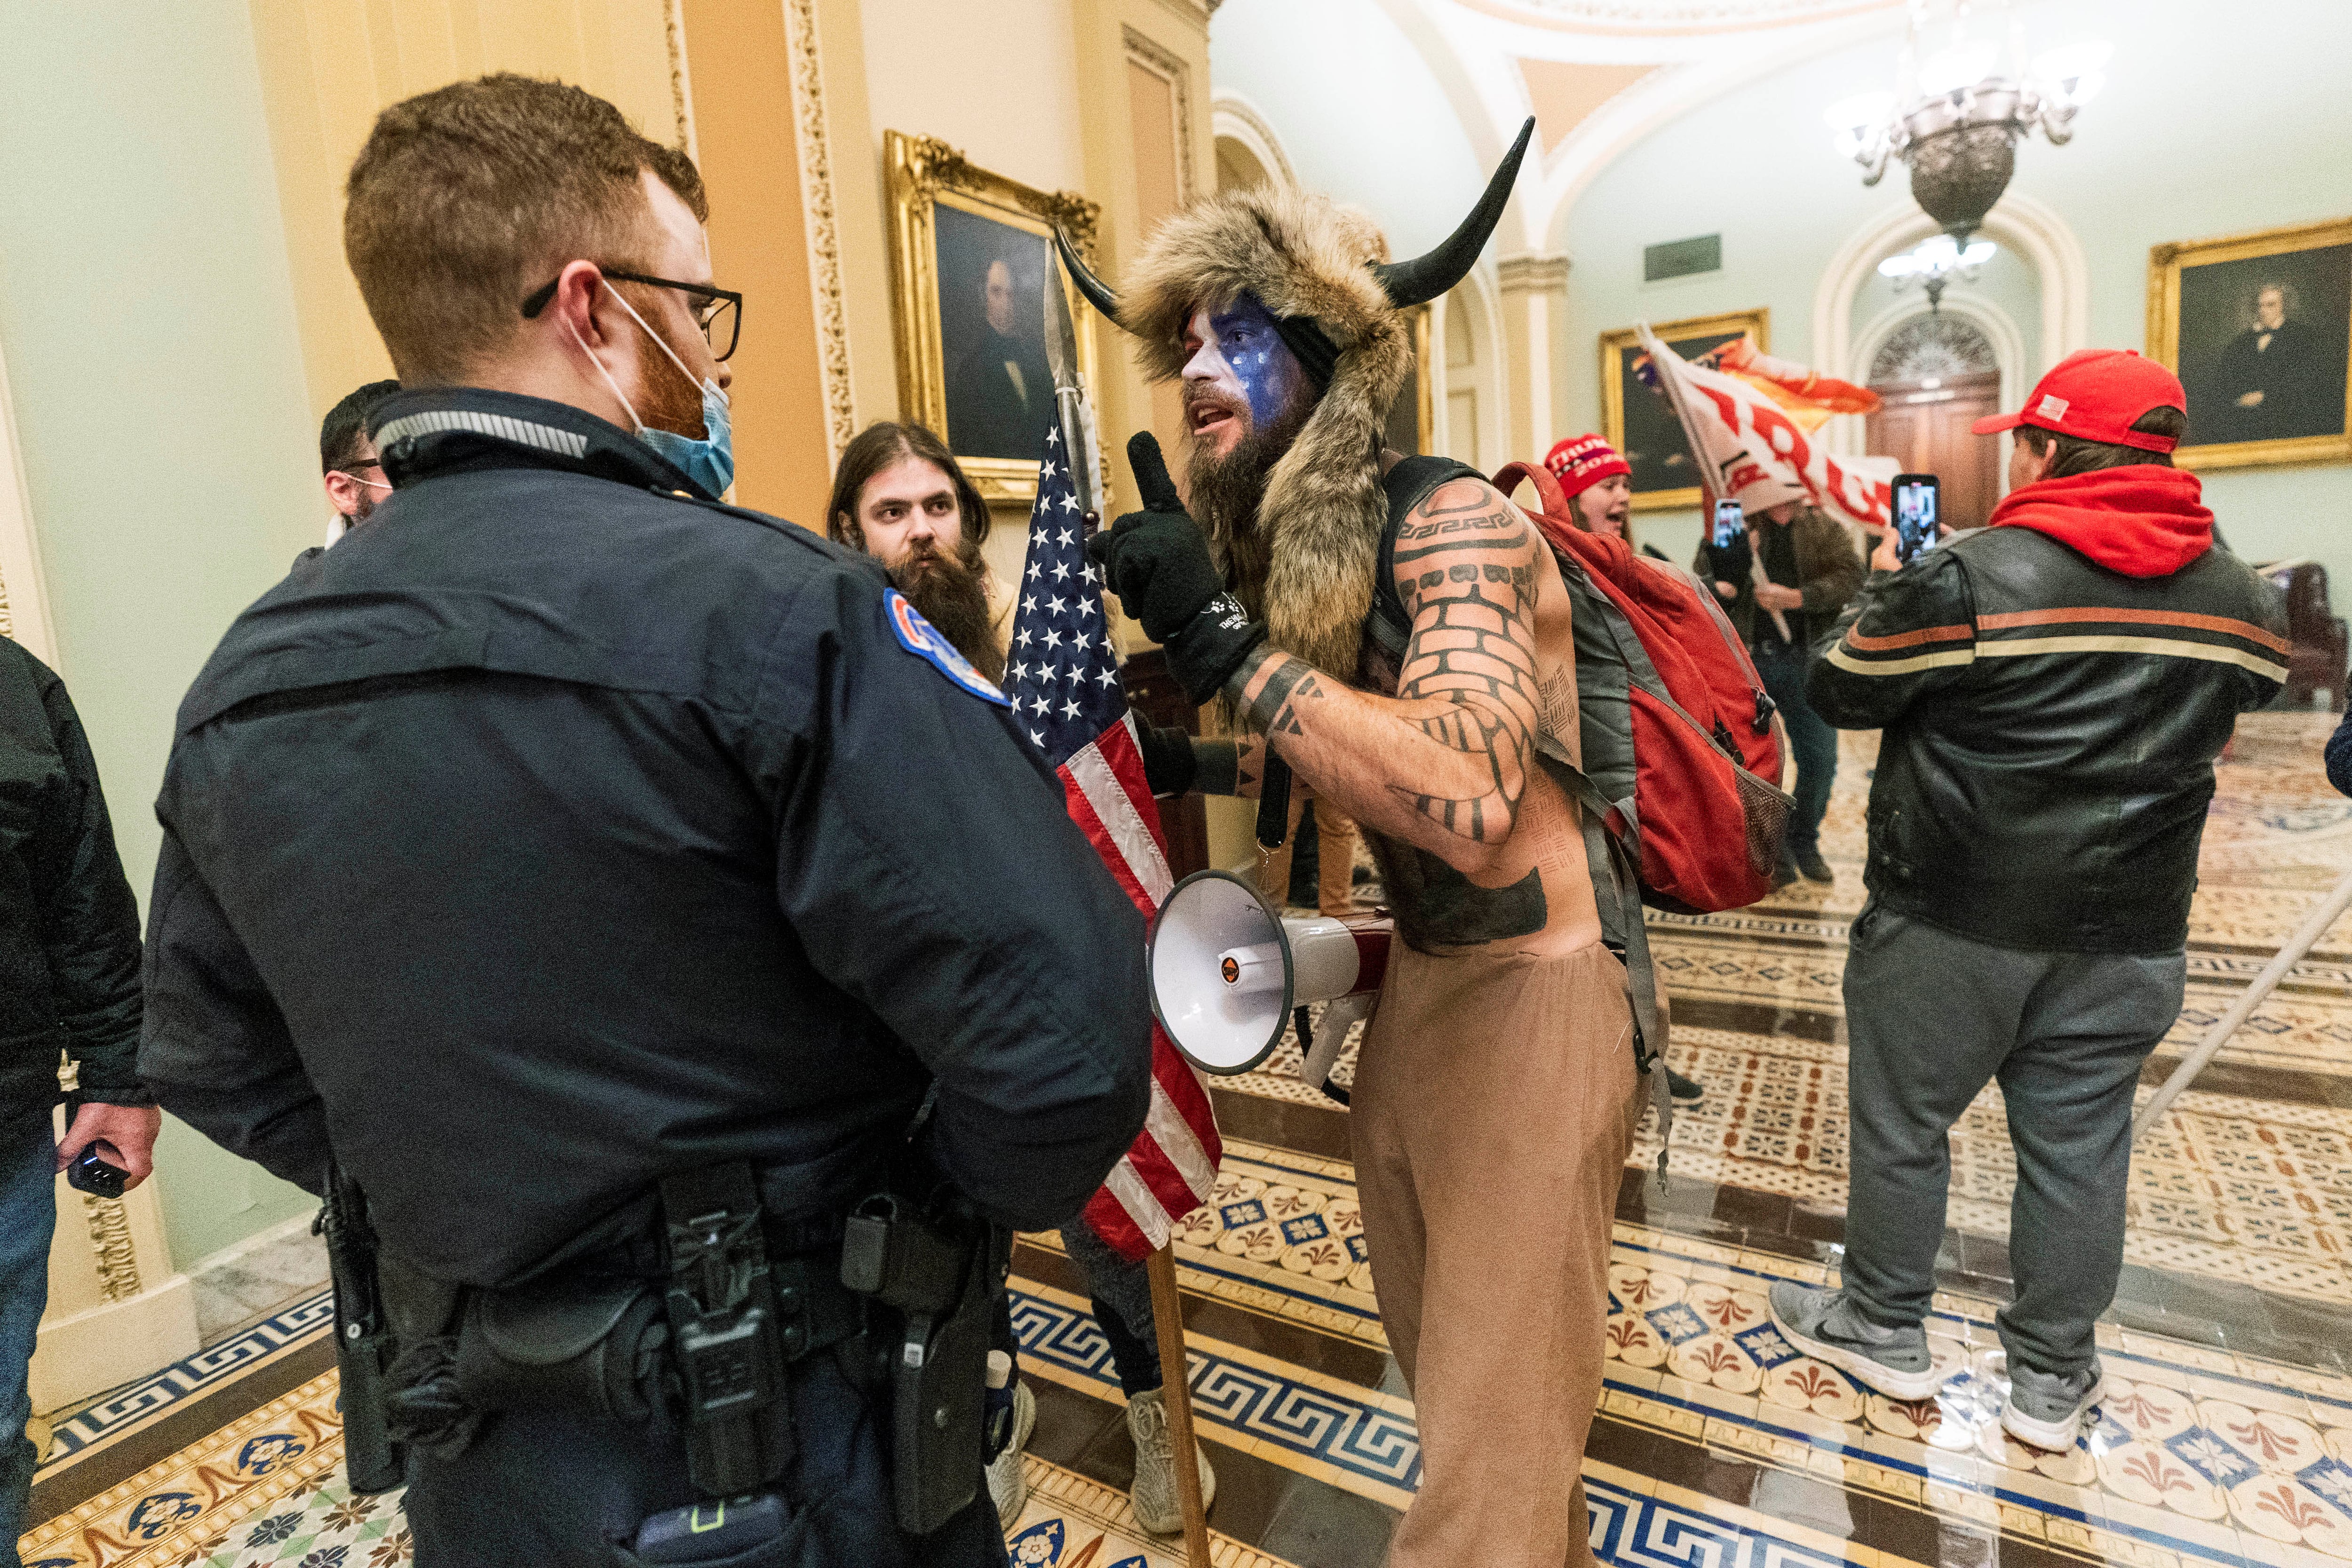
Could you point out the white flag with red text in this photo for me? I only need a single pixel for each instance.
(1749, 449)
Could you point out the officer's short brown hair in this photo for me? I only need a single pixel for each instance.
(467, 198)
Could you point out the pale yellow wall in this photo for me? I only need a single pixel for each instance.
(328, 66)
(998, 81)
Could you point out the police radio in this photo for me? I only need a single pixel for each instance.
(1227, 974)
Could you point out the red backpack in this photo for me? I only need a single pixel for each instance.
(1683, 756)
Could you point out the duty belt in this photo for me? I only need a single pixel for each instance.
(612, 1346)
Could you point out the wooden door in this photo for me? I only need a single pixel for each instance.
(1924, 426)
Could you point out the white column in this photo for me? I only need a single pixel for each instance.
(1535, 321)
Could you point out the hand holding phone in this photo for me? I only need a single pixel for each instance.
(1918, 514)
(92, 1174)
(1730, 522)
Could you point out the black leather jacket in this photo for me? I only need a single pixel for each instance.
(68, 926)
(2051, 727)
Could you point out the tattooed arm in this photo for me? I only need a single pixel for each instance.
(1444, 764)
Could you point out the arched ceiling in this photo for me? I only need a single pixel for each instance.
(1599, 75)
(1657, 17)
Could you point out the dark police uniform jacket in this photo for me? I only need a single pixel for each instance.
(561, 829)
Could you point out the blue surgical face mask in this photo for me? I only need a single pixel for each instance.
(1260, 359)
(708, 461)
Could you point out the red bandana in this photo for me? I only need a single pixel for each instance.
(2144, 520)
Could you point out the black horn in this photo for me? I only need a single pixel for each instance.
(1428, 276)
(1097, 291)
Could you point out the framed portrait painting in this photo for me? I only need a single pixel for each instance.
(971, 252)
(1640, 423)
(2259, 328)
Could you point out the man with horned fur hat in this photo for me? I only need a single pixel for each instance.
(1494, 1102)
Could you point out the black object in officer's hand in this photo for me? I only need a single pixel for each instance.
(710, 1531)
(92, 1173)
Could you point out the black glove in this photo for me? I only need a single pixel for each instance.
(1157, 562)
(1168, 765)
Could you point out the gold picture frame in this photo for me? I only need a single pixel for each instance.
(926, 177)
(1655, 424)
(2212, 316)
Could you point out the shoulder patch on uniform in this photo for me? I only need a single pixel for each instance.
(926, 642)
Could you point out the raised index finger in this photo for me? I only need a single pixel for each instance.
(1152, 485)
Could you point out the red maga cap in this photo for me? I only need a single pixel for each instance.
(1583, 462)
(2095, 394)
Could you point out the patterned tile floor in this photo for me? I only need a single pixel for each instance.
(2226, 1438)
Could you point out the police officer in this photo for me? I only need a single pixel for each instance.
(560, 855)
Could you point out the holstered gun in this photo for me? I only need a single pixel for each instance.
(364, 1347)
(937, 1270)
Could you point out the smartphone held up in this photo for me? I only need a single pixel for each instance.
(1916, 514)
(1730, 523)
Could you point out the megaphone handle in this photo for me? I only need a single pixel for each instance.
(1274, 803)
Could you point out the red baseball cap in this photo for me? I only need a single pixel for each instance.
(2095, 394)
(1583, 462)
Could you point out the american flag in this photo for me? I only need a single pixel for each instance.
(1061, 674)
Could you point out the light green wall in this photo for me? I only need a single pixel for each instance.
(147, 324)
(2211, 125)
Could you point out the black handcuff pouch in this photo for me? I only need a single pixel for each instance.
(596, 1348)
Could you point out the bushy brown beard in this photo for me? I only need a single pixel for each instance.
(1223, 494)
(947, 591)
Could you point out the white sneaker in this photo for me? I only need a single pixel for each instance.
(1157, 1506)
(1008, 1485)
(2048, 1412)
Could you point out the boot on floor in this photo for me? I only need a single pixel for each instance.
(1157, 1506)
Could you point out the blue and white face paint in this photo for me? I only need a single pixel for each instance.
(1239, 376)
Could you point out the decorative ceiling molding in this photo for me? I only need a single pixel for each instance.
(1564, 94)
(1670, 17)
(1234, 117)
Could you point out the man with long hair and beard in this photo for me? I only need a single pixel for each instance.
(900, 496)
(1495, 1100)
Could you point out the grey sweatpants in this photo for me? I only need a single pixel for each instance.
(1931, 1017)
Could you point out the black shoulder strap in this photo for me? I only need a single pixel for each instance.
(1408, 485)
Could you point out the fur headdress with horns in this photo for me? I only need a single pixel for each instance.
(1322, 270)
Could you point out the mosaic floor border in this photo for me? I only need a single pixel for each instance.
(1692, 1356)
(136, 1404)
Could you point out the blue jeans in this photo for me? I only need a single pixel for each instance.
(28, 1217)
(1810, 740)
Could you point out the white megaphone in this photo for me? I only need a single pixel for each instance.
(1226, 973)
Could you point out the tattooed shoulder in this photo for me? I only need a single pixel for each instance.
(1463, 534)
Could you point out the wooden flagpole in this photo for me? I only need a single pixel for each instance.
(1175, 1376)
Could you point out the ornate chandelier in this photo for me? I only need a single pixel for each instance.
(1934, 263)
(1955, 116)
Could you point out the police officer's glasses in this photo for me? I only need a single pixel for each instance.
(718, 311)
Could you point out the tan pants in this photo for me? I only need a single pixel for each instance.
(1495, 1107)
(1335, 856)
